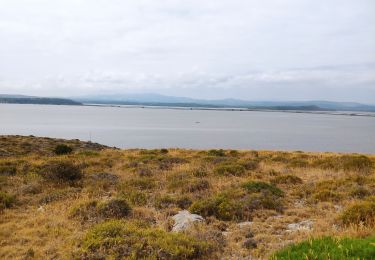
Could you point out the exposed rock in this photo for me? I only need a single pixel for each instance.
(303, 225)
(184, 219)
(41, 209)
(244, 224)
(250, 243)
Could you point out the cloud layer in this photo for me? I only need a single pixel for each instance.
(269, 49)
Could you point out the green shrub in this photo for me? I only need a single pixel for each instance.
(228, 169)
(361, 212)
(196, 185)
(62, 149)
(8, 169)
(114, 208)
(359, 192)
(142, 183)
(237, 204)
(258, 186)
(356, 163)
(166, 201)
(6, 200)
(200, 172)
(94, 211)
(135, 197)
(222, 206)
(329, 248)
(218, 153)
(250, 165)
(117, 239)
(298, 163)
(326, 195)
(61, 171)
(287, 179)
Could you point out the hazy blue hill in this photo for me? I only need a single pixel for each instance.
(161, 100)
(21, 99)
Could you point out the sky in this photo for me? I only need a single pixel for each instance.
(214, 49)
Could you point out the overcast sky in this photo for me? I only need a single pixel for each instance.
(248, 49)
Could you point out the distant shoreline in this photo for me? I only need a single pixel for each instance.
(234, 109)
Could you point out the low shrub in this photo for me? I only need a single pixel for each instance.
(6, 200)
(196, 185)
(166, 201)
(114, 208)
(218, 153)
(250, 165)
(327, 195)
(258, 186)
(229, 169)
(94, 211)
(360, 212)
(135, 197)
(61, 171)
(286, 179)
(239, 204)
(117, 239)
(356, 163)
(200, 172)
(61, 149)
(329, 248)
(8, 169)
(223, 206)
(142, 183)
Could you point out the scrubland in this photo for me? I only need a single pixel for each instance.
(63, 199)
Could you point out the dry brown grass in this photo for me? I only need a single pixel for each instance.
(39, 223)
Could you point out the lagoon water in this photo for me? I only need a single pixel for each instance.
(198, 129)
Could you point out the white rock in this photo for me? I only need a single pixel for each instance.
(245, 224)
(184, 219)
(303, 225)
(41, 209)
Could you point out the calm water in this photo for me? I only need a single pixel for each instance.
(157, 128)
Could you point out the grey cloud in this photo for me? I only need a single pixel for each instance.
(239, 48)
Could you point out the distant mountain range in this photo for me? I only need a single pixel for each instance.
(22, 99)
(184, 102)
(161, 100)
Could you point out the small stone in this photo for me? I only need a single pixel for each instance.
(250, 243)
(244, 224)
(183, 220)
(303, 225)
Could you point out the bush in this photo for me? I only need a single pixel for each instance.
(228, 169)
(222, 206)
(6, 200)
(237, 204)
(61, 171)
(94, 211)
(326, 195)
(8, 170)
(258, 186)
(166, 201)
(250, 165)
(196, 186)
(116, 239)
(287, 179)
(361, 212)
(114, 208)
(329, 248)
(62, 149)
(218, 153)
(142, 183)
(356, 163)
